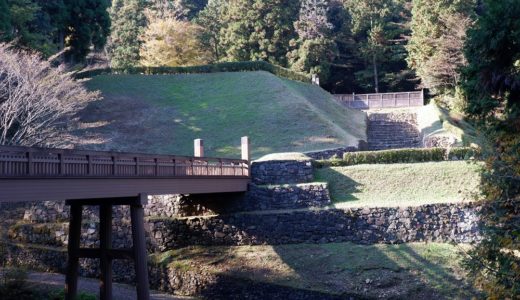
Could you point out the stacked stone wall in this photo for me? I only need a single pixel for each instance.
(281, 172)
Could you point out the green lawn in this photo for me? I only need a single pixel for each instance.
(407, 271)
(164, 113)
(402, 184)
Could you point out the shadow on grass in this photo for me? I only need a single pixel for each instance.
(341, 187)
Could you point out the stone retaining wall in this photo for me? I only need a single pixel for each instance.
(286, 197)
(438, 222)
(330, 153)
(281, 172)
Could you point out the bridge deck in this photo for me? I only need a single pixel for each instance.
(37, 174)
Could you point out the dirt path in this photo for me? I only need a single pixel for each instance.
(91, 286)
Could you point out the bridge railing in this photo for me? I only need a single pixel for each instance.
(42, 162)
(382, 100)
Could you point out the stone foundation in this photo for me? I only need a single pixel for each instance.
(436, 223)
(281, 172)
(330, 153)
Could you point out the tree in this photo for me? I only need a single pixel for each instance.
(211, 19)
(314, 48)
(128, 23)
(259, 30)
(22, 15)
(438, 33)
(88, 25)
(173, 43)
(37, 102)
(5, 20)
(491, 86)
(378, 27)
(176, 9)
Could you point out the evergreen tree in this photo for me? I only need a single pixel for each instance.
(315, 47)
(377, 28)
(491, 85)
(128, 22)
(175, 9)
(438, 33)
(5, 20)
(88, 25)
(259, 30)
(211, 20)
(22, 15)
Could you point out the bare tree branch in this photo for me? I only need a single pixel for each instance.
(37, 101)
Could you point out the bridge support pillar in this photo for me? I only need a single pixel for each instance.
(105, 252)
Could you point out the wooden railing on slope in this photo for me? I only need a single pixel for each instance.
(42, 162)
(382, 100)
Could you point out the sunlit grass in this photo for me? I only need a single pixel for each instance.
(402, 184)
(164, 113)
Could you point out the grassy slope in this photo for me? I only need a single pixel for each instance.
(407, 271)
(164, 113)
(402, 184)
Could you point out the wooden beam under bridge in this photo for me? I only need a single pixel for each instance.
(105, 253)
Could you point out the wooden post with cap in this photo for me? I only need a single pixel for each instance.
(198, 148)
(246, 154)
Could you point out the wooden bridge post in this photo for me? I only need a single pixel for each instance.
(139, 247)
(71, 279)
(105, 252)
(246, 154)
(198, 148)
(105, 245)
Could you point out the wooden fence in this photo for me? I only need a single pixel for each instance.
(40, 162)
(382, 100)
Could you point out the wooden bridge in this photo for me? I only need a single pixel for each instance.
(105, 179)
(382, 100)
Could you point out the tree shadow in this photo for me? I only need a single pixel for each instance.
(342, 188)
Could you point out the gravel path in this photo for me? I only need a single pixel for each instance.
(91, 286)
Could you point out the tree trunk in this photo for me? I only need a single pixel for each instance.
(376, 79)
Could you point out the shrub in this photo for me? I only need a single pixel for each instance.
(402, 156)
(463, 153)
(243, 66)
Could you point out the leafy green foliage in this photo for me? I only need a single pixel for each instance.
(315, 47)
(378, 28)
(211, 20)
(259, 30)
(175, 9)
(438, 33)
(89, 24)
(5, 20)
(49, 26)
(402, 156)
(491, 85)
(128, 23)
(243, 66)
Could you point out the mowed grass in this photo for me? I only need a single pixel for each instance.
(406, 271)
(387, 185)
(164, 113)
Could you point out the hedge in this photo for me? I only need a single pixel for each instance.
(243, 66)
(412, 155)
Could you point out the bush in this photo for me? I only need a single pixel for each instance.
(463, 153)
(243, 66)
(402, 156)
